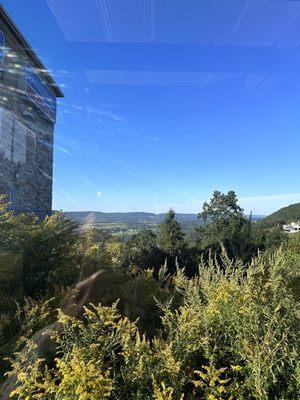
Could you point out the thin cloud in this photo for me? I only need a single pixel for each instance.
(155, 139)
(64, 150)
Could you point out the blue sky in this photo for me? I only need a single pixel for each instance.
(165, 104)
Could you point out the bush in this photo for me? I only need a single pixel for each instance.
(50, 255)
(233, 334)
(36, 258)
(37, 254)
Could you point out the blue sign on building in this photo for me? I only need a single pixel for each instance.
(2, 40)
(39, 93)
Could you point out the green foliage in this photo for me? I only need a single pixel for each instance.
(18, 322)
(141, 251)
(234, 334)
(222, 208)
(285, 215)
(268, 238)
(42, 253)
(220, 330)
(36, 258)
(170, 236)
(50, 255)
(214, 382)
(92, 251)
(226, 225)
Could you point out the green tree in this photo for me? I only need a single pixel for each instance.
(170, 236)
(141, 251)
(268, 238)
(223, 223)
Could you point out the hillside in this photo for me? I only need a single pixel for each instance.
(284, 215)
(125, 217)
(130, 217)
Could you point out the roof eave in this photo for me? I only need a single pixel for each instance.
(29, 51)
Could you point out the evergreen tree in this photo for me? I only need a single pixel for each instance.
(170, 235)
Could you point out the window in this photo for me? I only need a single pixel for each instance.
(6, 134)
(13, 135)
(2, 42)
(19, 146)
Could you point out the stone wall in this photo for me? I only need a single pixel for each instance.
(26, 139)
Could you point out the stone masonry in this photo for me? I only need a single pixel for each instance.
(26, 125)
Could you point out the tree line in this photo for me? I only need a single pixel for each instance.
(223, 226)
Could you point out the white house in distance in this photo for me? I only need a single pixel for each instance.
(293, 227)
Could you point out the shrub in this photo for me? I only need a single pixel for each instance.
(233, 333)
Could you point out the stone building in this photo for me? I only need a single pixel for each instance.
(27, 117)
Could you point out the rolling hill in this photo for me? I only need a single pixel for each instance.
(284, 215)
(130, 217)
(125, 217)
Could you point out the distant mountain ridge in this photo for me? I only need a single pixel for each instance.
(131, 217)
(134, 217)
